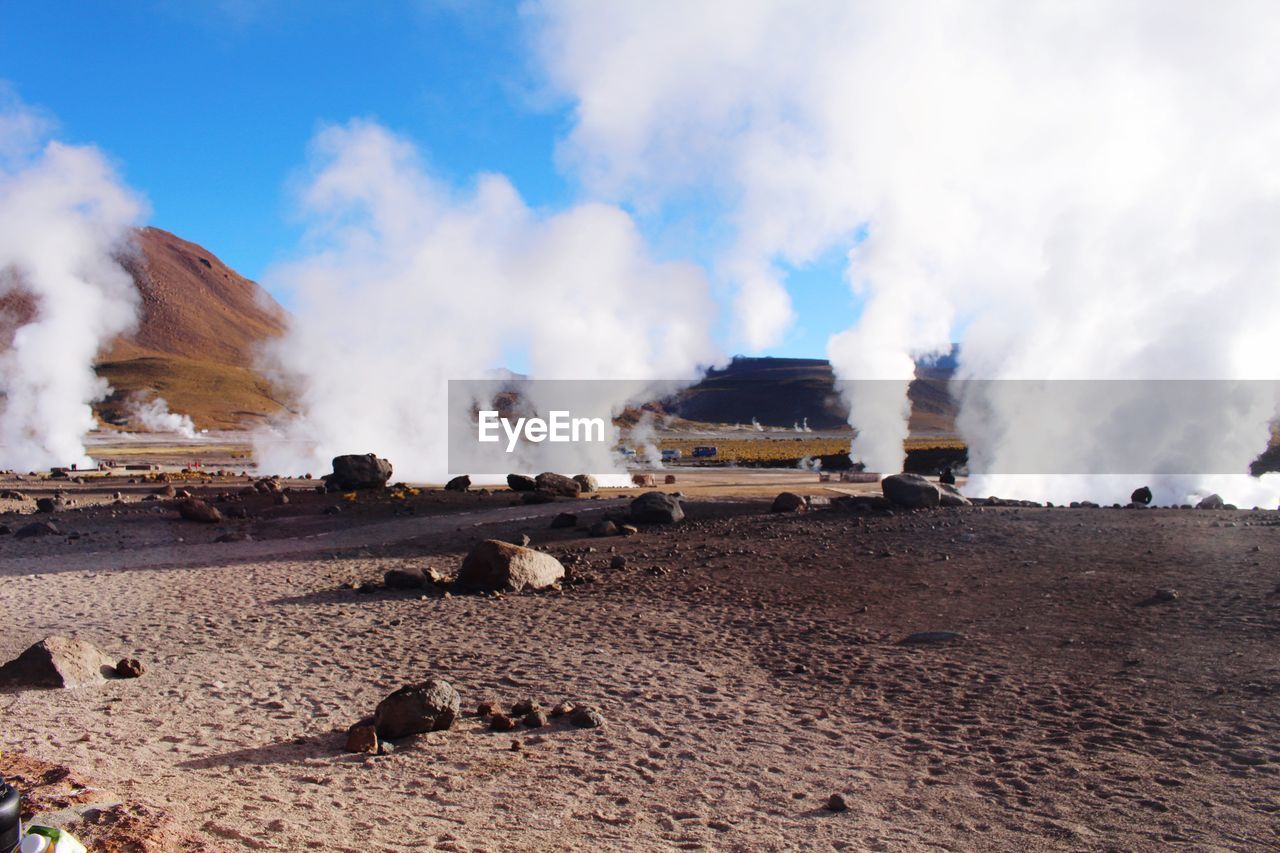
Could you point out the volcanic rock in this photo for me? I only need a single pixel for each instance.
(500, 722)
(129, 668)
(562, 709)
(557, 484)
(586, 483)
(524, 706)
(949, 495)
(521, 483)
(604, 527)
(363, 737)
(356, 471)
(430, 706)
(911, 491)
(46, 504)
(1141, 496)
(37, 528)
(193, 509)
(408, 577)
(656, 508)
(501, 565)
(1211, 502)
(57, 662)
(564, 520)
(586, 717)
(788, 502)
(535, 719)
(458, 484)
(836, 803)
(618, 562)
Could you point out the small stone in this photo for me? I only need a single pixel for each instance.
(408, 577)
(564, 521)
(363, 737)
(486, 707)
(562, 709)
(129, 668)
(524, 706)
(535, 719)
(618, 562)
(836, 803)
(586, 718)
(500, 722)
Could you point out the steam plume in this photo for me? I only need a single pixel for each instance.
(64, 214)
(153, 415)
(406, 283)
(1087, 190)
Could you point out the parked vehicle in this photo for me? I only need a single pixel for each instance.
(670, 454)
(704, 451)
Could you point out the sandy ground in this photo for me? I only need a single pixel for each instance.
(748, 666)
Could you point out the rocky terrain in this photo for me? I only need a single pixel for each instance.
(836, 676)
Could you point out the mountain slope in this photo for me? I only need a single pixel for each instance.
(200, 327)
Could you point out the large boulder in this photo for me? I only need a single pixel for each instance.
(911, 491)
(458, 484)
(586, 483)
(57, 662)
(788, 502)
(521, 483)
(656, 508)
(430, 706)
(356, 471)
(1141, 496)
(949, 495)
(500, 565)
(557, 484)
(1211, 502)
(193, 509)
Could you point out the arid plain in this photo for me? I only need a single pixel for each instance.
(748, 666)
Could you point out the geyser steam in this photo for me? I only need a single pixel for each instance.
(64, 215)
(407, 283)
(1085, 190)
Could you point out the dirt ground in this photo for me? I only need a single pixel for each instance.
(748, 665)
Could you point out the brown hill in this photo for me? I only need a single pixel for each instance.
(199, 329)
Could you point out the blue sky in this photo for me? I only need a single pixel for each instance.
(207, 109)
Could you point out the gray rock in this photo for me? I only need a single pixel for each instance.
(586, 717)
(430, 706)
(604, 527)
(950, 496)
(911, 491)
(586, 483)
(557, 484)
(408, 577)
(788, 502)
(1211, 502)
(521, 483)
(57, 662)
(494, 565)
(46, 504)
(193, 509)
(656, 508)
(37, 528)
(356, 471)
